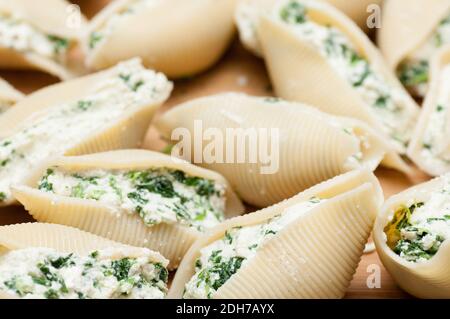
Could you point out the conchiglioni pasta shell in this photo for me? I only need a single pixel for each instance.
(54, 21)
(60, 238)
(126, 132)
(9, 93)
(177, 37)
(172, 240)
(440, 60)
(430, 279)
(313, 146)
(314, 257)
(406, 25)
(300, 73)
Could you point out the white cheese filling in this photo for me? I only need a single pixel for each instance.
(223, 258)
(436, 144)
(423, 226)
(157, 195)
(414, 70)
(114, 21)
(54, 130)
(19, 35)
(43, 273)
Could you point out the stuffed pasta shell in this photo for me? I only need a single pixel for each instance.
(177, 37)
(410, 39)
(311, 48)
(430, 146)
(269, 149)
(34, 37)
(45, 261)
(104, 111)
(412, 236)
(314, 241)
(137, 197)
(8, 96)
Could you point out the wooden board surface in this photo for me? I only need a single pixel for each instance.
(241, 72)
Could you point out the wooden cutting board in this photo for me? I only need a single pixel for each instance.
(238, 71)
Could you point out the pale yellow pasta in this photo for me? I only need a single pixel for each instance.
(65, 240)
(177, 37)
(301, 146)
(8, 96)
(34, 37)
(110, 219)
(100, 112)
(430, 145)
(311, 48)
(418, 267)
(313, 256)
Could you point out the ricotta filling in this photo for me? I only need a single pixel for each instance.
(418, 229)
(57, 129)
(157, 195)
(220, 260)
(113, 22)
(435, 144)
(387, 103)
(21, 36)
(414, 70)
(43, 273)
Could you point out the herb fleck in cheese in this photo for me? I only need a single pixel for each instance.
(55, 130)
(220, 260)
(417, 230)
(414, 70)
(157, 195)
(387, 103)
(42, 273)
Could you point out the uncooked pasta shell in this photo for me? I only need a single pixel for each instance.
(127, 132)
(416, 147)
(299, 72)
(172, 240)
(61, 238)
(311, 147)
(313, 257)
(177, 37)
(429, 279)
(55, 22)
(406, 25)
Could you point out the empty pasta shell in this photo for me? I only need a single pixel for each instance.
(269, 149)
(8, 96)
(311, 48)
(34, 37)
(315, 253)
(100, 112)
(63, 239)
(430, 146)
(179, 38)
(110, 219)
(424, 278)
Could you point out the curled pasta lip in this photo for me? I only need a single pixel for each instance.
(352, 203)
(420, 152)
(301, 70)
(8, 95)
(303, 130)
(427, 279)
(172, 240)
(180, 38)
(64, 240)
(52, 23)
(125, 128)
